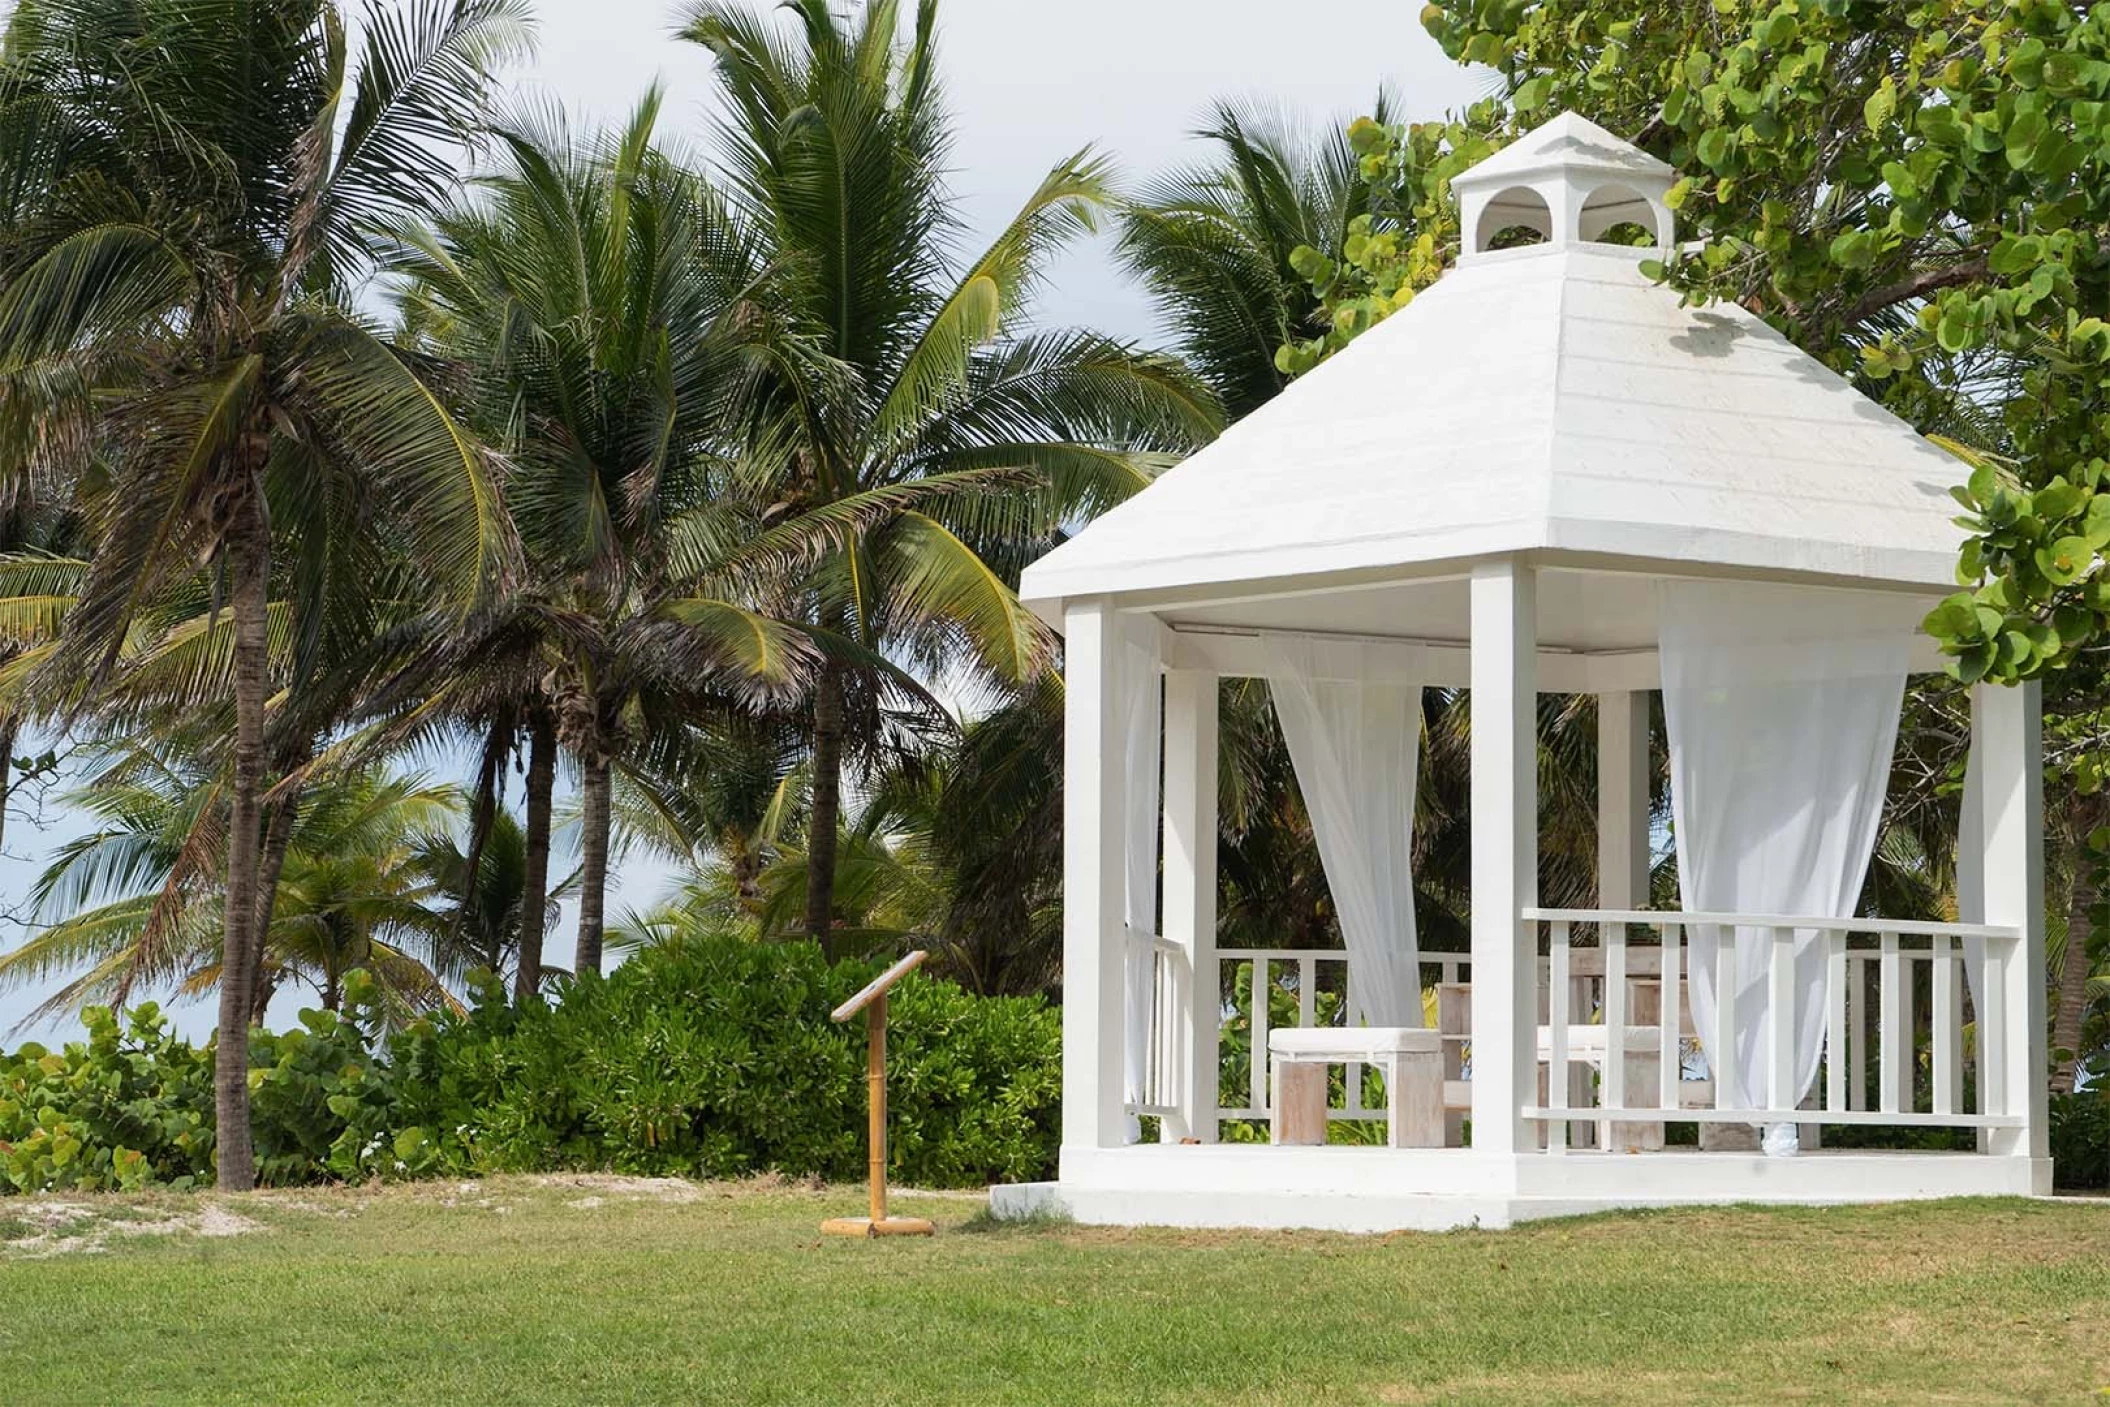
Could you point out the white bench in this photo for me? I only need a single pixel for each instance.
(1411, 1058)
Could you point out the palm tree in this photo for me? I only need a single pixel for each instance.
(954, 444)
(134, 906)
(600, 303)
(1212, 243)
(482, 901)
(184, 234)
(956, 848)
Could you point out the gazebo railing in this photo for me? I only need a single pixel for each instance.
(1587, 988)
(1164, 1054)
(1614, 1012)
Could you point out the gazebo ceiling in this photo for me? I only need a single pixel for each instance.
(1550, 400)
(1585, 611)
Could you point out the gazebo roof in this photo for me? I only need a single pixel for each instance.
(1549, 399)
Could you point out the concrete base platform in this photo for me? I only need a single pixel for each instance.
(1413, 1189)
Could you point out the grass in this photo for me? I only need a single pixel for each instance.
(611, 1291)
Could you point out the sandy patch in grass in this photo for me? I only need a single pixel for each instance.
(216, 1220)
(599, 1187)
(36, 1229)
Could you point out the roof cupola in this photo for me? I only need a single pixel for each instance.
(1568, 182)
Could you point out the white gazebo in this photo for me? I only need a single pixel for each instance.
(1543, 476)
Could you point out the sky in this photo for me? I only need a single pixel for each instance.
(1029, 82)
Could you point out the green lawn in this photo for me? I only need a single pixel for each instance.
(600, 1291)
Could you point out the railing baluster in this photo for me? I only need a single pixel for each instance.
(1836, 1058)
(1670, 940)
(1557, 1035)
(1155, 1064)
(1308, 992)
(1611, 937)
(1992, 1034)
(1890, 1031)
(1352, 1078)
(1857, 1058)
(1169, 1014)
(1948, 1028)
(1261, 1096)
(1723, 1054)
(1780, 1021)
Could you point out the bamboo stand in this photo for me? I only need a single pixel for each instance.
(872, 1001)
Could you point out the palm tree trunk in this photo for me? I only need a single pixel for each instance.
(249, 551)
(593, 859)
(10, 725)
(483, 812)
(278, 839)
(534, 902)
(826, 812)
(2073, 968)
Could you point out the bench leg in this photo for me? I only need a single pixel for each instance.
(1643, 1091)
(1300, 1104)
(1414, 1092)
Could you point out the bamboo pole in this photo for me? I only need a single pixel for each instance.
(873, 1002)
(875, 1102)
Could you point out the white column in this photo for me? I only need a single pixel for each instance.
(2007, 729)
(1094, 865)
(1622, 844)
(1504, 853)
(1190, 885)
(1622, 801)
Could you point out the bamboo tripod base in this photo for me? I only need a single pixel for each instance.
(865, 1227)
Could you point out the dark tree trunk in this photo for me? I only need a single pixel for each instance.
(534, 902)
(594, 782)
(826, 812)
(278, 839)
(249, 559)
(10, 726)
(2072, 1007)
(483, 812)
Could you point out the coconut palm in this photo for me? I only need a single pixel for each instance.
(600, 305)
(1212, 242)
(182, 237)
(136, 904)
(481, 899)
(835, 147)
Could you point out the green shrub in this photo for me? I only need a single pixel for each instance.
(714, 1057)
(711, 1057)
(129, 1107)
(2080, 1138)
(324, 1104)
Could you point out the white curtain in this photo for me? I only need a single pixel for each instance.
(1782, 706)
(1356, 747)
(1141, 695)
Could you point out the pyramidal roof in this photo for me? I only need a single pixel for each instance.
(1551, 399)
(1570, 143)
